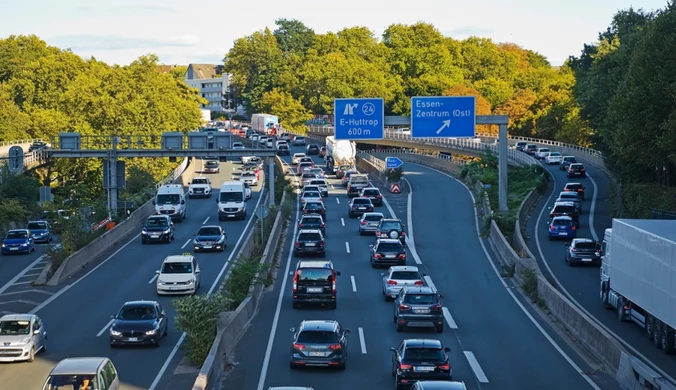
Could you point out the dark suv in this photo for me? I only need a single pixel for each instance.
(583, 251)
(312, 221)
(571, 196)
(374, 194)
(420, 360)
(576, 170)
(314, 207)
(392, 228)
(310, 241)
(319, 343)
(575, 187)
(359, 206)
(314, 282)
(418, 306)
(387, 252)
(566, 209)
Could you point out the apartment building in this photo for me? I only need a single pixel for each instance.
(212, 83)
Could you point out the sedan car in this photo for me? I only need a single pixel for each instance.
(312, 221)
(158, 228)
(386, 251)
(420, 359)
(249, 177)
(541, 153)
(306, 178)
(553, 158)
(319, 343)
(315, 207)
(18, 241)
(576, 170)
(359, 206)
(138, 323)
(562, 227)
(399, 276)
(237, 146)
(40, 231)
(374, 194)
(418, 306)
(368, 223)
(298, 140)
(296, 158)
(310, 241)
(210, 238)
(583, 251)
(22, 336)
(211, 166)
(310, 196)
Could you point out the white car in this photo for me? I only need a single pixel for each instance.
(263, 140)
(296, 158)
(399, 276)
(249, 177)
(254, 137)
(237, 145)
(246, 159)
(247, 190)
(179, 274)
(269, 143)
(310, 196)
(553, 158)
(540, 154)
(199, 186)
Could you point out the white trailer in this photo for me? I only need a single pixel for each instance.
(638, 276)
(339, 152)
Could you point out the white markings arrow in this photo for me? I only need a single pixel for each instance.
(446, 124)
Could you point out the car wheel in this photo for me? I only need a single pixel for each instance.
(373, 265)
(166, 331)
(294, 305)
(342, 366)
(400, 328)
(31, 356)
(44, 345)
(292, 366)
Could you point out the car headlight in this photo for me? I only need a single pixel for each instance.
(167, 231)
(4, 246)
(160, 281)
(24, 244)
(24, 341)
(191, 281)
(115, 333)
(151, 332)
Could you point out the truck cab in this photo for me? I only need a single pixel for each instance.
(232, 201)
(170, 200)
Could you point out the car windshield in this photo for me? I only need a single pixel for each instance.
(212, 164)
(311, 194)
(75, 382)
(15, 327)
(562, 222)
(317, 171)
(300, 138)
(390, 226)
(313, 206)
(345, 167)
(570, 159)
(177, 268)
(156, 222)
(361, 201)
(135, 313)
(544, 150)
(225, 197)
(209, 231)
(564, 209)
(420, 299)
(311, 220)
(17, 234)
(168, 199)
(318, 183)
(390, 247)
(317, 337)
(405, 275)
(554, 154)
(568, 196)
(36, 225)
(373, 218)
(371, 192)
(250, 174)
(199, 180)
(315, 274)
(585, 245)
(313, 147)
(308, 175)
(309, 237)
(424, 354)
(576, 167)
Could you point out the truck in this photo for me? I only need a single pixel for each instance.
(339, 152)
(265, 123)
(638, 276)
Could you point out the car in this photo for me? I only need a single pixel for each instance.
(322, 151)
(247, 190)
(263, 139)
(359, 206)
(237, 146)
(530, 149)
(40, 231)
(553, 158)
(285, 137)
(37, 145)
(179, 274)
(283, 150)
(541, 153)
(314, 282)
(566, 161)
(319, 343)
(22, 336)
(312, 221)
(305, 166)
(310, 241)
(249, 177)
(567, 209)
(83, 373)
(306, 159)
(210, 238)
(346, 176)
(570, 196)
(368, 223)
(295, 159)
(520, 146)
(313, 196)
(158, 228)
(321, 185)
(317, 171)
(306, 178)
(298, 140)
(269, 143)
(576, 170)
(211, 166)
(438, 385)
(314, 207)
(583, 251)
(420, 359)
(18, 241)
(386, 251)
(311, 187)
(356, 183)
(374, 194)
(199, 187)
(562, 227)
(418, 306)
(139, 323)
(340, 171)
(312, 149)
(254, 137)
(399, 276)
(391, 228)
(575, 187)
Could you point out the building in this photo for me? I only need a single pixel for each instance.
(212, 83)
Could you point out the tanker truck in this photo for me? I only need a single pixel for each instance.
(339, 152)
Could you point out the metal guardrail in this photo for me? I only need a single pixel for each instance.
(368, 155)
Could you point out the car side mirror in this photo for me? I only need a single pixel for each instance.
(338, 273)
(292, 330)
(423, 274)
(112, 316)
(157, 272)
(598, 253)
(163, 314)
(348, 330)
(37, 331)
(447, 349)
(371, 246)
(441, 296)
(393, 349)
(197, 271)
(183, 201)
(403, 226)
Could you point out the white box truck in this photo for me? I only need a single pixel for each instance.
(231, 201)
(339, 152)
(638, 276)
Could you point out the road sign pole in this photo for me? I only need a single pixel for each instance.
(112, 174)
(502, 168)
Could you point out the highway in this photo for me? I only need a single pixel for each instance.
(497, 339)
(77, 316)
(582, 284)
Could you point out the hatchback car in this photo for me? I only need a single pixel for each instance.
(399, 276)
(310, 196)
(420, 360)
(359, 206)
(306, 178)
(368, 223)
(296, 158)
(157, 228)
(179, 274)
(553, 158)
(304, 166)
(315, 207)
(583, 251)
(562, 227)
(22, 336)
(237, 145)
(319, 343)
(418, 306)
(570, 196)
(576, 170)
(83, 373)
(392, 228)
(542, 153)
(310, 241)
(575, 187)
(298, 140)
(317, 171)
(566, 161)
(312, 221)
(210, 238)
(314, 282)
(530, 149)
(386, 251)
(374, 194)
(249, 177)
(139, 323)
(18, 241)
(568, 209)
(283, 150)
(321, 185)
(211, 166)
(40, 231)
(312, 149)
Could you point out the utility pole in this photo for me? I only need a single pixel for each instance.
(112, 176)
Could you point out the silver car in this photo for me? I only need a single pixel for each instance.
(22, 336)
(368, 223)
(399, 276)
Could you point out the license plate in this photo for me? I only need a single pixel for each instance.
(362, 208)
(174, 288)
(586, 260)
(154, 235)
(373, 224)
(231, 216)
(423, 369)
(316, 353)
(563, 234)
(310, 244)
(132, 339)
(315, 289)
(207, 247)
(390, 256)
(421, 311)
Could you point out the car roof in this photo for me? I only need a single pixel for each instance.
(568, 193)
(178, 258)
(391, 220)
(314, 264)
(418, 343)
(374, 214)
(309, 231)
(555, 153)
(314, 202)
(371, 188)
(583, 240)
(360, 199)
(576, 164)
(17, 230)
(573, 184)
(17, 317)
(312, 215)
(159, 216)
(439, 385)
(139, 303)
(79, 366)
(388, 240)
(323, 325)
(210, 226)
(569, 157)
(564, 204)
(408, 268)
(420, 290)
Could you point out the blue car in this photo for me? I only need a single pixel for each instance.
(210, 238)
(18, 241)
(562, 227)
(566, 161)
(40, 231)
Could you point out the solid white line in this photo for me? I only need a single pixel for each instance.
(166, 362)
(153, 279)
(337, 200)
(31, 275)
(205, 221)
(480, 376)
(105, 328)
(429, 282)
(342, 221)
(21, 283)
(354, 283)
(347, 247)
(362, 341)
(592, 210)
(21, 274)
(186, 243)
(449, 318)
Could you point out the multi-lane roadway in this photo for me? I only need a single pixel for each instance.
(497, 339)
(77, 316)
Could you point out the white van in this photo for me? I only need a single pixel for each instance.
(83, 373)
(232, 201)
(170, 200)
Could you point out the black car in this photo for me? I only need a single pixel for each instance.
(283, 150)
(438, 385)
(313, 207)
(387, 252)
(314, 282)
(565, 209)
(210, 238)
(374, 194)
(312, 149)
(310, 241)
(359, 206)
(418, 306)
(139, 323)
(418, 360)
(575, 187)
(37, 146)
(157, 228)
(312, 221)
(319, 343)
(583, 251)
(571, 196)
(391, 228)
(576, 170)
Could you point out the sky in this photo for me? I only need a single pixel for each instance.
(183, 32)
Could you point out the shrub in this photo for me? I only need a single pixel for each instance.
(394, 174)
(197, 316)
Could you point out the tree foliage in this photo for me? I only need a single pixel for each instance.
(292, 113)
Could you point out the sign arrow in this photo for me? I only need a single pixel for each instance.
(447, 123)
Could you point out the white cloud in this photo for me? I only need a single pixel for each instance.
(88, 42)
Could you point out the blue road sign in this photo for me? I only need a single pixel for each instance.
(443, 116)
(393, 162)
(359, 118)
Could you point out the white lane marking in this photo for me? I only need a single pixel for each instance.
(410, 242)
(354, 283)
(592, 210)
(342, 221)
(347, 247)
(429, 282)
(332, 187)
(186, 243)
(337, 200)
(153, 279)
(21, 283)
(31, 275)
(205, 221)
(21, 274)
(480, 376)
(449, 318)
(511, 293)
(362, 341)
(105, 328)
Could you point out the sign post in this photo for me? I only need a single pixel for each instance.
(443, 116)
(359, 118)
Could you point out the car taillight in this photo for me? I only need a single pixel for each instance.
(298, 346)
(363, 222)
(304, 211)
(403, 234)
(378, 234)
(391, 282)
(302, 200)
(552, 227)
(404, 367)
(404, 307)
(444, 367)
(579, 190)
(377, 256)
(582, 170)
(335, 346)
(436, 307)
(300, 225)
(321, 225)
(333, 283)
(574, 227)
(297, 243)
(321, 200)
(371, 208)
(321, 243)
(419, 283)
(295, 281)
(573, 249)
(379, 196)
(402, 256)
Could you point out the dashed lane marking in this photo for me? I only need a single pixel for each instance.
(21, 274)
(354, 283)
(105, 328)
(362, 341)
(449, 319)
(337, 200)
(186, 243)
(347, 247)
(153, 279)
(24, 301)
(480, 376)
(429, 282)
(342, 221)
(205, 221)
(22, 283)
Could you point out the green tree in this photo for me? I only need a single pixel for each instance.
(14, 123)
(293, 36)
(291, 112)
